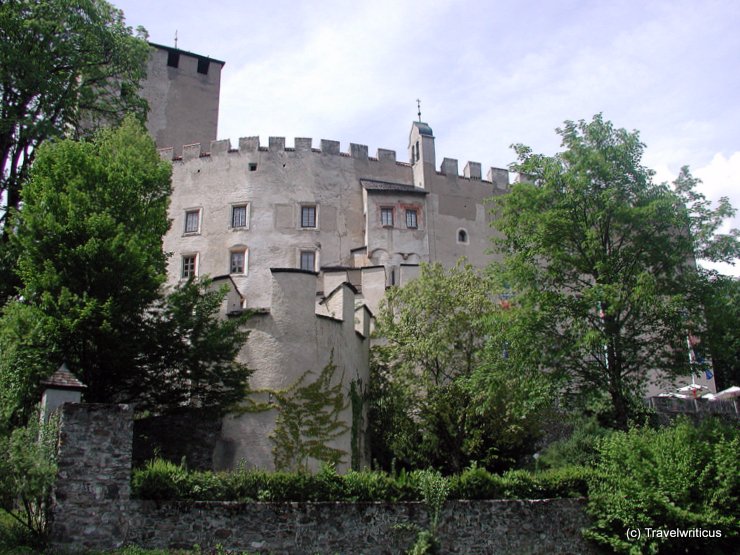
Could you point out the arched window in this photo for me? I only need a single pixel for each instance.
(462, 236)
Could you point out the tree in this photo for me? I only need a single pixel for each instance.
(444, 392)
(601, 257)
(91, 264)
(65, 66)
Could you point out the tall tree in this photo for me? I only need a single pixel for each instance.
(601, 255)
(91, 265)
(445, 393)
(66, 66)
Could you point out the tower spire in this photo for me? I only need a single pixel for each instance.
(418, 106)
(175, 38)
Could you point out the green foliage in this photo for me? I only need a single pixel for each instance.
(597, 254)
(63, 66)
(442, 391)
(89, 241)
(683, 477)
(579, 448)
(162, 480)
(308, 420)
(28, 470)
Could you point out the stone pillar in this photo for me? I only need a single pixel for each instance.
(90, 504)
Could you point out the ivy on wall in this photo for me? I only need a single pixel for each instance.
(357, 401)
(308, 420)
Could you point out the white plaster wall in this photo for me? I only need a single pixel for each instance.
(283, 345)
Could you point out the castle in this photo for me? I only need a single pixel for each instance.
(307, 236)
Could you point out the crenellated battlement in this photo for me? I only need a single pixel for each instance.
(449, 167)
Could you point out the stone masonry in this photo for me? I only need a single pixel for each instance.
(92, 509)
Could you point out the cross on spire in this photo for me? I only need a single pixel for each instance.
(175, 38)
(418, 106)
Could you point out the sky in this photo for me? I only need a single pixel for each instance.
(488, 73)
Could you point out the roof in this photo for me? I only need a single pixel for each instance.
(373, 186)
(192, 54)
(64, 379)
(423, 128)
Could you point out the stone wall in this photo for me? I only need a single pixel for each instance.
(492, 527)
(91, 499)
(668, 408)
(92, 509)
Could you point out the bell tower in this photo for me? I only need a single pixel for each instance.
(421, 151)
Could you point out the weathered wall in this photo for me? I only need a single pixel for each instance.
(90, 502)
(92, 510)
(183, 103)
(668, 408)
(492, 527)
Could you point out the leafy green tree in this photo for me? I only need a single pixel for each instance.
(444, 391)
(683, 477)
(65, 66)
(720, 296)
(600, 256)
(89, 238)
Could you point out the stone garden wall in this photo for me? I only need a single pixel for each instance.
(92, 509)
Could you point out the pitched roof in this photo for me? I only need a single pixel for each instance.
(63, 379)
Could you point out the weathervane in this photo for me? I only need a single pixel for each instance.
(418, 105)
(175, 38)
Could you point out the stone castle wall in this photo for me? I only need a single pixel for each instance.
(92, 509)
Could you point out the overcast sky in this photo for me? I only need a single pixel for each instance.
(488, 73)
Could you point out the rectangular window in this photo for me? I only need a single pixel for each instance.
(308, 260)
(252, 167)
(238, 262)
(173, 58)
(203, 66)
(411, 219)
(192, 221)
(189, 266)
(386, 217)
(239, 216)
(308, 216)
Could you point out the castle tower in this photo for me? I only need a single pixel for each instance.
(182, 90)
(421, 153)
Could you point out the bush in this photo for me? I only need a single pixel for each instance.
(677, 478)
(161, 480)
(28, 470)
(579, 449)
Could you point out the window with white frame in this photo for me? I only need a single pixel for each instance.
(238, 261)
(412, 221)
(308, 260)
(386, 217)
(192, 221)
(189, 266)
(308, 216)
(239, 216)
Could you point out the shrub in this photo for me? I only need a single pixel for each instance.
(677, 478)
(161, 479)
(579, 449)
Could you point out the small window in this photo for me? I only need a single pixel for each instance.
(308, 260)
(173, 59)
(411, 219)
(239, 216)
(189, 266)
(462, 236)
(192, 221)
(308, 216)
(252, 167)
(203, 64)
(238, 262)
(386, 217)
